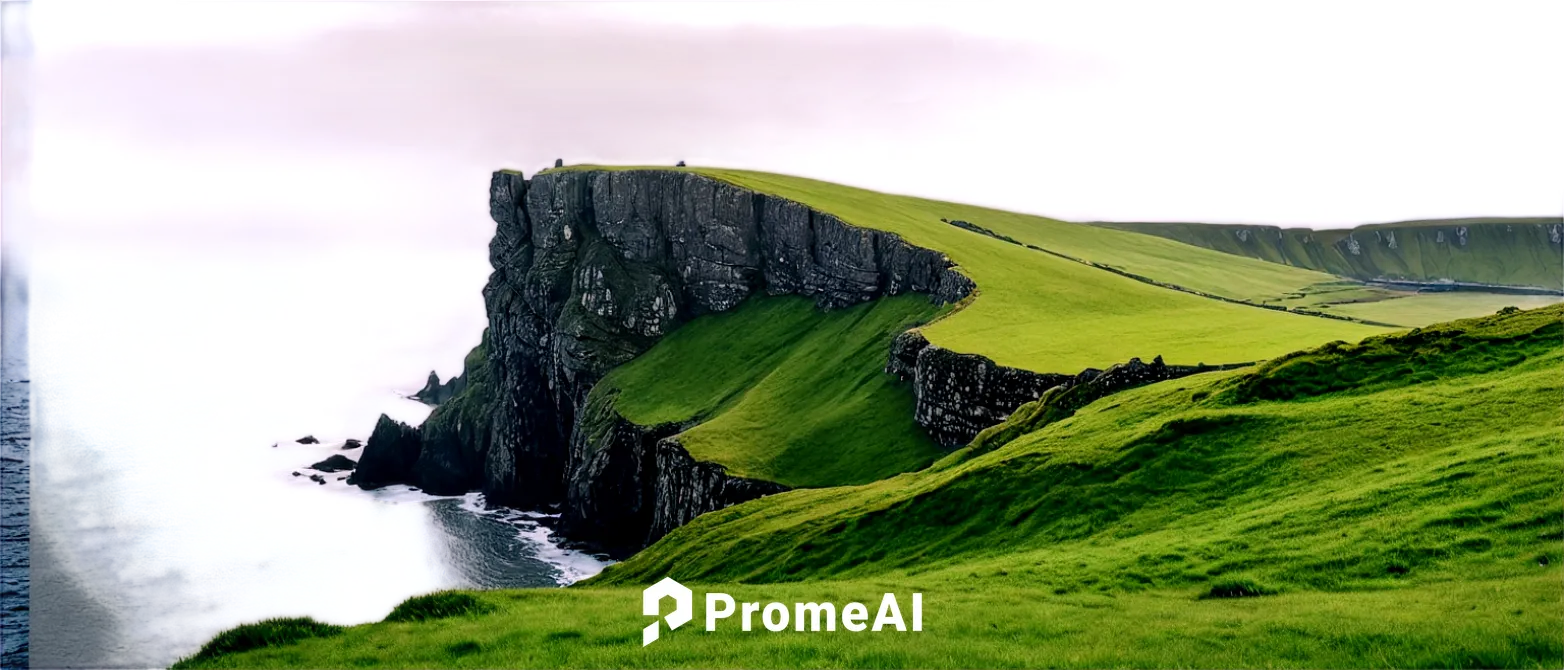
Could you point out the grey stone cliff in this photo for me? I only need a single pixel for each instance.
(591, 268)
(961, 394)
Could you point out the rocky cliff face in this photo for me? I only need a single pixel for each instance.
(591, 268)
(961, 394)
(636, 483)
(1062, 401)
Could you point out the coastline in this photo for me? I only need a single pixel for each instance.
(535, 529)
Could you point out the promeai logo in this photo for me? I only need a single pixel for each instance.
(776, 617)
(651, 605)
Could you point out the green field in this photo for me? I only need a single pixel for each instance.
(1044, 313)
(784, 392)
(1393, 503)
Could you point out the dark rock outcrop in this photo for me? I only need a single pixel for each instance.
(318, 479)
(389, 456)
(335, 463)
(451, 461)
(456, 435)
(636, 483)
(687, 488)
(961, 394)
(351, 444)
(308, 439)
(435, 393)
(1064, 400)
(611, 494)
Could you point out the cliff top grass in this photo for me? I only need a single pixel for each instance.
(780, 391)
(1041, 312)
(1387, 503)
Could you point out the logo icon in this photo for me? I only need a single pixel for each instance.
(651, 605)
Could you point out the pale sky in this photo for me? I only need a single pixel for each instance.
(297, 121)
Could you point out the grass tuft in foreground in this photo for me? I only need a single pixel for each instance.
(440, 605)
(268, 633)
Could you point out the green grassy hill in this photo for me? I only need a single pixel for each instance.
(784, 392)
(1506, 251)
(1404, 451)
(1388, 503)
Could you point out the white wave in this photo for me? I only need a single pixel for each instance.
(572, 566)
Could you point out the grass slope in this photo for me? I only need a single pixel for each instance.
(1397, 498)
(1350, 466)
(1044, 313)
(784, 392)
(1516, 251)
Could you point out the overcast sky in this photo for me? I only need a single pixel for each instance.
(290, 121)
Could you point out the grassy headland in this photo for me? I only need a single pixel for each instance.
(1044, 313)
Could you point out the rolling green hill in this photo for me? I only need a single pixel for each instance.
(1387, 503)
(1503, 251)
(1385, 439)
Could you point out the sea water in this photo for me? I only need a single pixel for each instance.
(162, 513)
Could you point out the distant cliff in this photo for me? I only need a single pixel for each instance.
(1512, 252)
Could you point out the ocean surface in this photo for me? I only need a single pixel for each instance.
(167, 391)
(14, 437)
